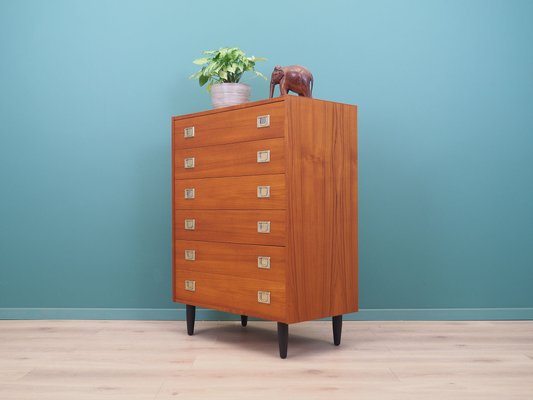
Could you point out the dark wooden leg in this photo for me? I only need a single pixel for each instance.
(337, 329)
(283, 339)
(244, 320)
(191, 314)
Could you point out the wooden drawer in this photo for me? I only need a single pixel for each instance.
(233, 294)
(244, 260)
(221, 127)
(230, 160)
(237, 193)
(231, 226)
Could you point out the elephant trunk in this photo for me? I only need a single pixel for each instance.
(271, 89)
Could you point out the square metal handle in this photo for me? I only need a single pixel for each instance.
(189, 193)
(188, 132)
(190, 255)
(263, 297)
(263, 262)
(263, 192)
(190, 224)
(263, 226)
(263, 156)
(263, 121)
(188, 162)
(190, 285)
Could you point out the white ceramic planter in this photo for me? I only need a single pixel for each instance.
(229, 94)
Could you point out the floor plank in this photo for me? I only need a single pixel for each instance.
(157, 360)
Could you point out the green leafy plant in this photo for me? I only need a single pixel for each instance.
(225, 65)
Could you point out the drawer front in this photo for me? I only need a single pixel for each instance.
(231, 193)
(248, 158)
(254, 227)
(244, 260)
(233, 294)
(230, 126)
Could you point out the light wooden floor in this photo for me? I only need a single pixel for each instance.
(79, 360)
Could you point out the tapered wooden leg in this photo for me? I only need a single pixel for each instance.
(337, 329)
(283, 339)
(244, 320)
(191, 314)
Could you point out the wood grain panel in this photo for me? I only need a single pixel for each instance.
(237, 193)
(231, 160)
(322, 209)
(230, 126)
(232, 259)
(173, 180)
(316, 221)
(232, 226)
(232, 294)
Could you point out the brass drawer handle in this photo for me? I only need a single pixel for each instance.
(263, 192)
(188, 162)
(188, 132)
(190, 224)
(263, 226)
(263, 262)
(190, 255)
(263, 297)
(189, 193)
(263, 156)
(263, 121)
(190, 285)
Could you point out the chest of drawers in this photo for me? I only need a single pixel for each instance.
(265, 211)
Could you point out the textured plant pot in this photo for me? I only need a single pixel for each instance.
(229, 94)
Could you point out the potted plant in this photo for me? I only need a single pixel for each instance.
(222, 70)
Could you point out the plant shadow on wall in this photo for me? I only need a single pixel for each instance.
(222, 71)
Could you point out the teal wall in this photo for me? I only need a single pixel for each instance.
(445, 95)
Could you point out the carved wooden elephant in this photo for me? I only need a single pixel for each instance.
(295, 78)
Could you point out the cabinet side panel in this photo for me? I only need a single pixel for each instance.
(172, 156)
(322, 209)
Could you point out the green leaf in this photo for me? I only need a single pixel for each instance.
(203, 80)
(227, 64)
(201, 61)
(232, 68)
(210, 69)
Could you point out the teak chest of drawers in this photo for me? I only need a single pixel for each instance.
(265, 211)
